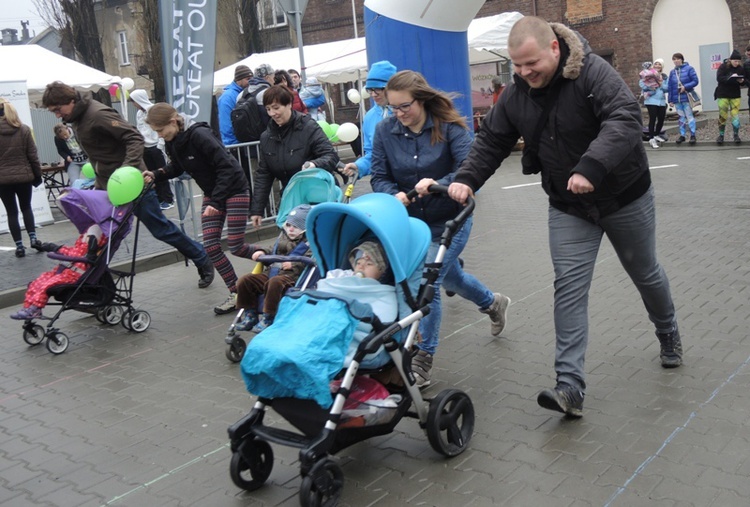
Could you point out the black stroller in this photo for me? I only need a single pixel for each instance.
(327, 415)
(102, 291)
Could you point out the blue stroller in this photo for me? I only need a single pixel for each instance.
(309, 186)
(295, 378)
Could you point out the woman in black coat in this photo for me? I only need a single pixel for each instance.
(195, 149)
(291, 142)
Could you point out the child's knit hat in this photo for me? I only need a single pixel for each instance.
(371, 250)
(646, 65)
(298, 216)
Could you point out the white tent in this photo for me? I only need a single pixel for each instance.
(38, 67)
(330, 62)
(488, 37)
(346, 60)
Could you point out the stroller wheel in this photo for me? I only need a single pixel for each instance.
(126, 319)
(323, 485)
(112, 314)
(236, 350)
(33, 335)
(450, 422)
(57, 342)
(256, 457)
(100, 315)
(139, 321)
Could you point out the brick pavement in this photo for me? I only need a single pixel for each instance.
(140, 419)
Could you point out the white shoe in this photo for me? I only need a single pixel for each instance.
(654, 143)
(660, 139)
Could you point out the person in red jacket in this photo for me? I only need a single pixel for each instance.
(282, 77)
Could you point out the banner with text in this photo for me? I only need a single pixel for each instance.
(188, 36)
(16, 93)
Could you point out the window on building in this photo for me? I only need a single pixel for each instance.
(271, 14)
(122, 44)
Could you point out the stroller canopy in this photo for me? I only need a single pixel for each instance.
(334, 228)
(309, 186)
(85, 208)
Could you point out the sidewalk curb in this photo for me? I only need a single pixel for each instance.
(13, 297)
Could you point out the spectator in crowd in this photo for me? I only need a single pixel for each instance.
(111, 143)
(596, 174)
(227, 101)
(293, 141)
(682, 80)
(296, 80)
(282, 77)
(314, 98)
(423, 144)
(731, 77)
(377, 78)
(70, 151)
(655, 99)
(19, 172)
(153, 156)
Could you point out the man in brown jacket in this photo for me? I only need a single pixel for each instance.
(111, 143)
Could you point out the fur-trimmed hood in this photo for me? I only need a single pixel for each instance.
(578, 49)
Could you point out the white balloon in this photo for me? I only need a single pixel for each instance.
(128, 83)
(354, 96)
(347, 132)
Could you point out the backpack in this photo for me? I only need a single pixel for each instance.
(246, 119)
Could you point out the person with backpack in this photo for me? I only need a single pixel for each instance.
(291, 142)
(228, 100)
(250, 122)
(196, 149)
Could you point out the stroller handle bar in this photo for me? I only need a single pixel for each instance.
(459, 220)
(273, 259)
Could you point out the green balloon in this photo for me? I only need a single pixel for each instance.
(325, 126)
(88, 170)
(125, 184)
(333, 129)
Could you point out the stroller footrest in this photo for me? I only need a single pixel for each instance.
(282, 437)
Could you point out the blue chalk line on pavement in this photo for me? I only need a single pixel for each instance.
(677, 430)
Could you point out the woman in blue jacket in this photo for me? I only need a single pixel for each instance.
(423, 144)
(656, 103)
(195, 149)
(682, 80)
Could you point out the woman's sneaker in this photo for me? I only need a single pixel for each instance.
(227, 306)
(20, 252)
(661, 139)
(680, 140)
(498, 313)
(654, 143)
(421, 365)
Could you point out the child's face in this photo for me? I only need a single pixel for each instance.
(292, 231)
(367, 267)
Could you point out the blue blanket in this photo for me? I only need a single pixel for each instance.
(303, 350)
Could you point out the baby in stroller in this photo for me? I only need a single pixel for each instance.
(86, 246)
(275, 279)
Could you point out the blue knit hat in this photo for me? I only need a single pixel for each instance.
(298, 216)
(379, 74)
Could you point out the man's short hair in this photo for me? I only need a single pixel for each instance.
(58, 93)
(531, 26)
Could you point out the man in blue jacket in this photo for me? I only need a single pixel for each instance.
(227, 101)
(582, 128)
(377, 77)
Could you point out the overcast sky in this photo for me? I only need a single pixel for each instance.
(13, 11)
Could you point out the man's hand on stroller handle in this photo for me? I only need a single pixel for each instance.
(460, 192)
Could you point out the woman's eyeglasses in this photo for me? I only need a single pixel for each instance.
(374, 90)
(404, 108)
